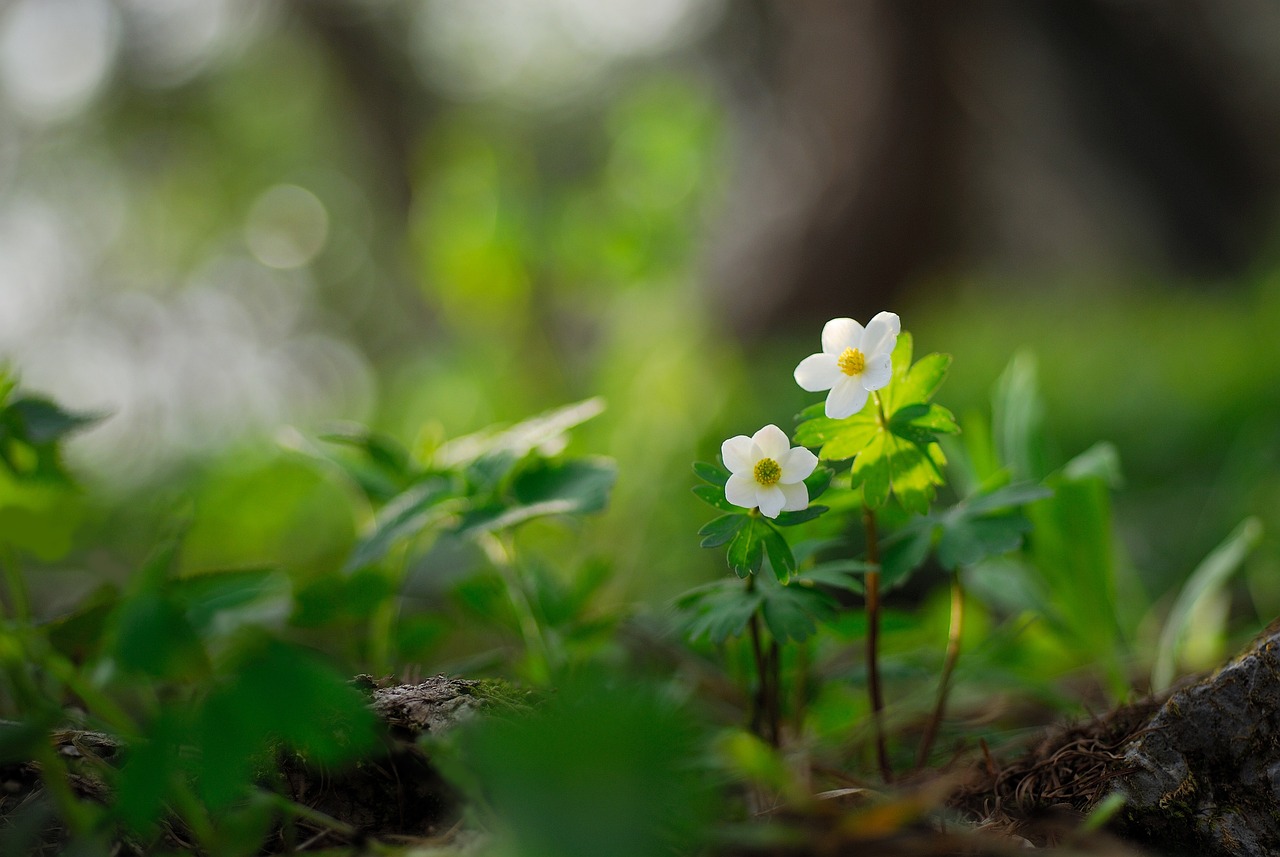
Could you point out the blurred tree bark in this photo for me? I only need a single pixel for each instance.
(891, 141)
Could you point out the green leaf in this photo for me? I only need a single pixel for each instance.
(778, 551)
(714, 496)
(154, 637)
(792, 611)
(718, 611)
(937, 420)
(273, 682)
(380, 449)
(406, 517)
(821, 431)
(542, 488)
(1100, 461)
(80, 634)
(819, 481)
(1007, 497)
(746, 551)
(790, 519)
(584, 483)
(871, 471)
(1017, 416)
(44, 422)
(720, 530)
(711, 473)
(921, 381)
(969, 540)
(218, 602)
(1209, 577)
(544, 433)
(839, 574)
(905, 551)
(1073, 551)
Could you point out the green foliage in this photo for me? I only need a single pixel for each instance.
(791, 609)
(893, 439)
(985, 524)
(1209, 577)
(602, 767)
(752, 538)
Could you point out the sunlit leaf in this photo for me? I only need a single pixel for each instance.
(1208, 578)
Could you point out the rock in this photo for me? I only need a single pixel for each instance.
(1203, 776)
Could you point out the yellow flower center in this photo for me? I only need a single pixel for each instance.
(851, 361)
(767, 472)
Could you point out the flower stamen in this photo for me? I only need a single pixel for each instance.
(767, 472)
(851, 362)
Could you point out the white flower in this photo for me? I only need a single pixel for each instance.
(767, 472)
(854, 361)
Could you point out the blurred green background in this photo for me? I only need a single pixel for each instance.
(229, 224)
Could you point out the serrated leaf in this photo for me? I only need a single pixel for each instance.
(721, 530)
(719, 611)
(838, 574)
(820, 430)
(711, 473)
(746, 551)
(790, 519)
(778, 551)
(913, 474)
(922, 380)
(871, 471)
(713, 496)
(792, 611)
(938, 420)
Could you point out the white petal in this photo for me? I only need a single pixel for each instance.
(846, 398)
(771, 501)
(736, 452)
(881, 334)
(796, 496)
(879, 371)
(798, 464)
(818, 372)
(772, 443)
(741, 490)
(839, 334)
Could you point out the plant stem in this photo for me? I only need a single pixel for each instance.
(759, 699)
(775, 693)
(948, 666)
(503, 558)
(873, 640)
